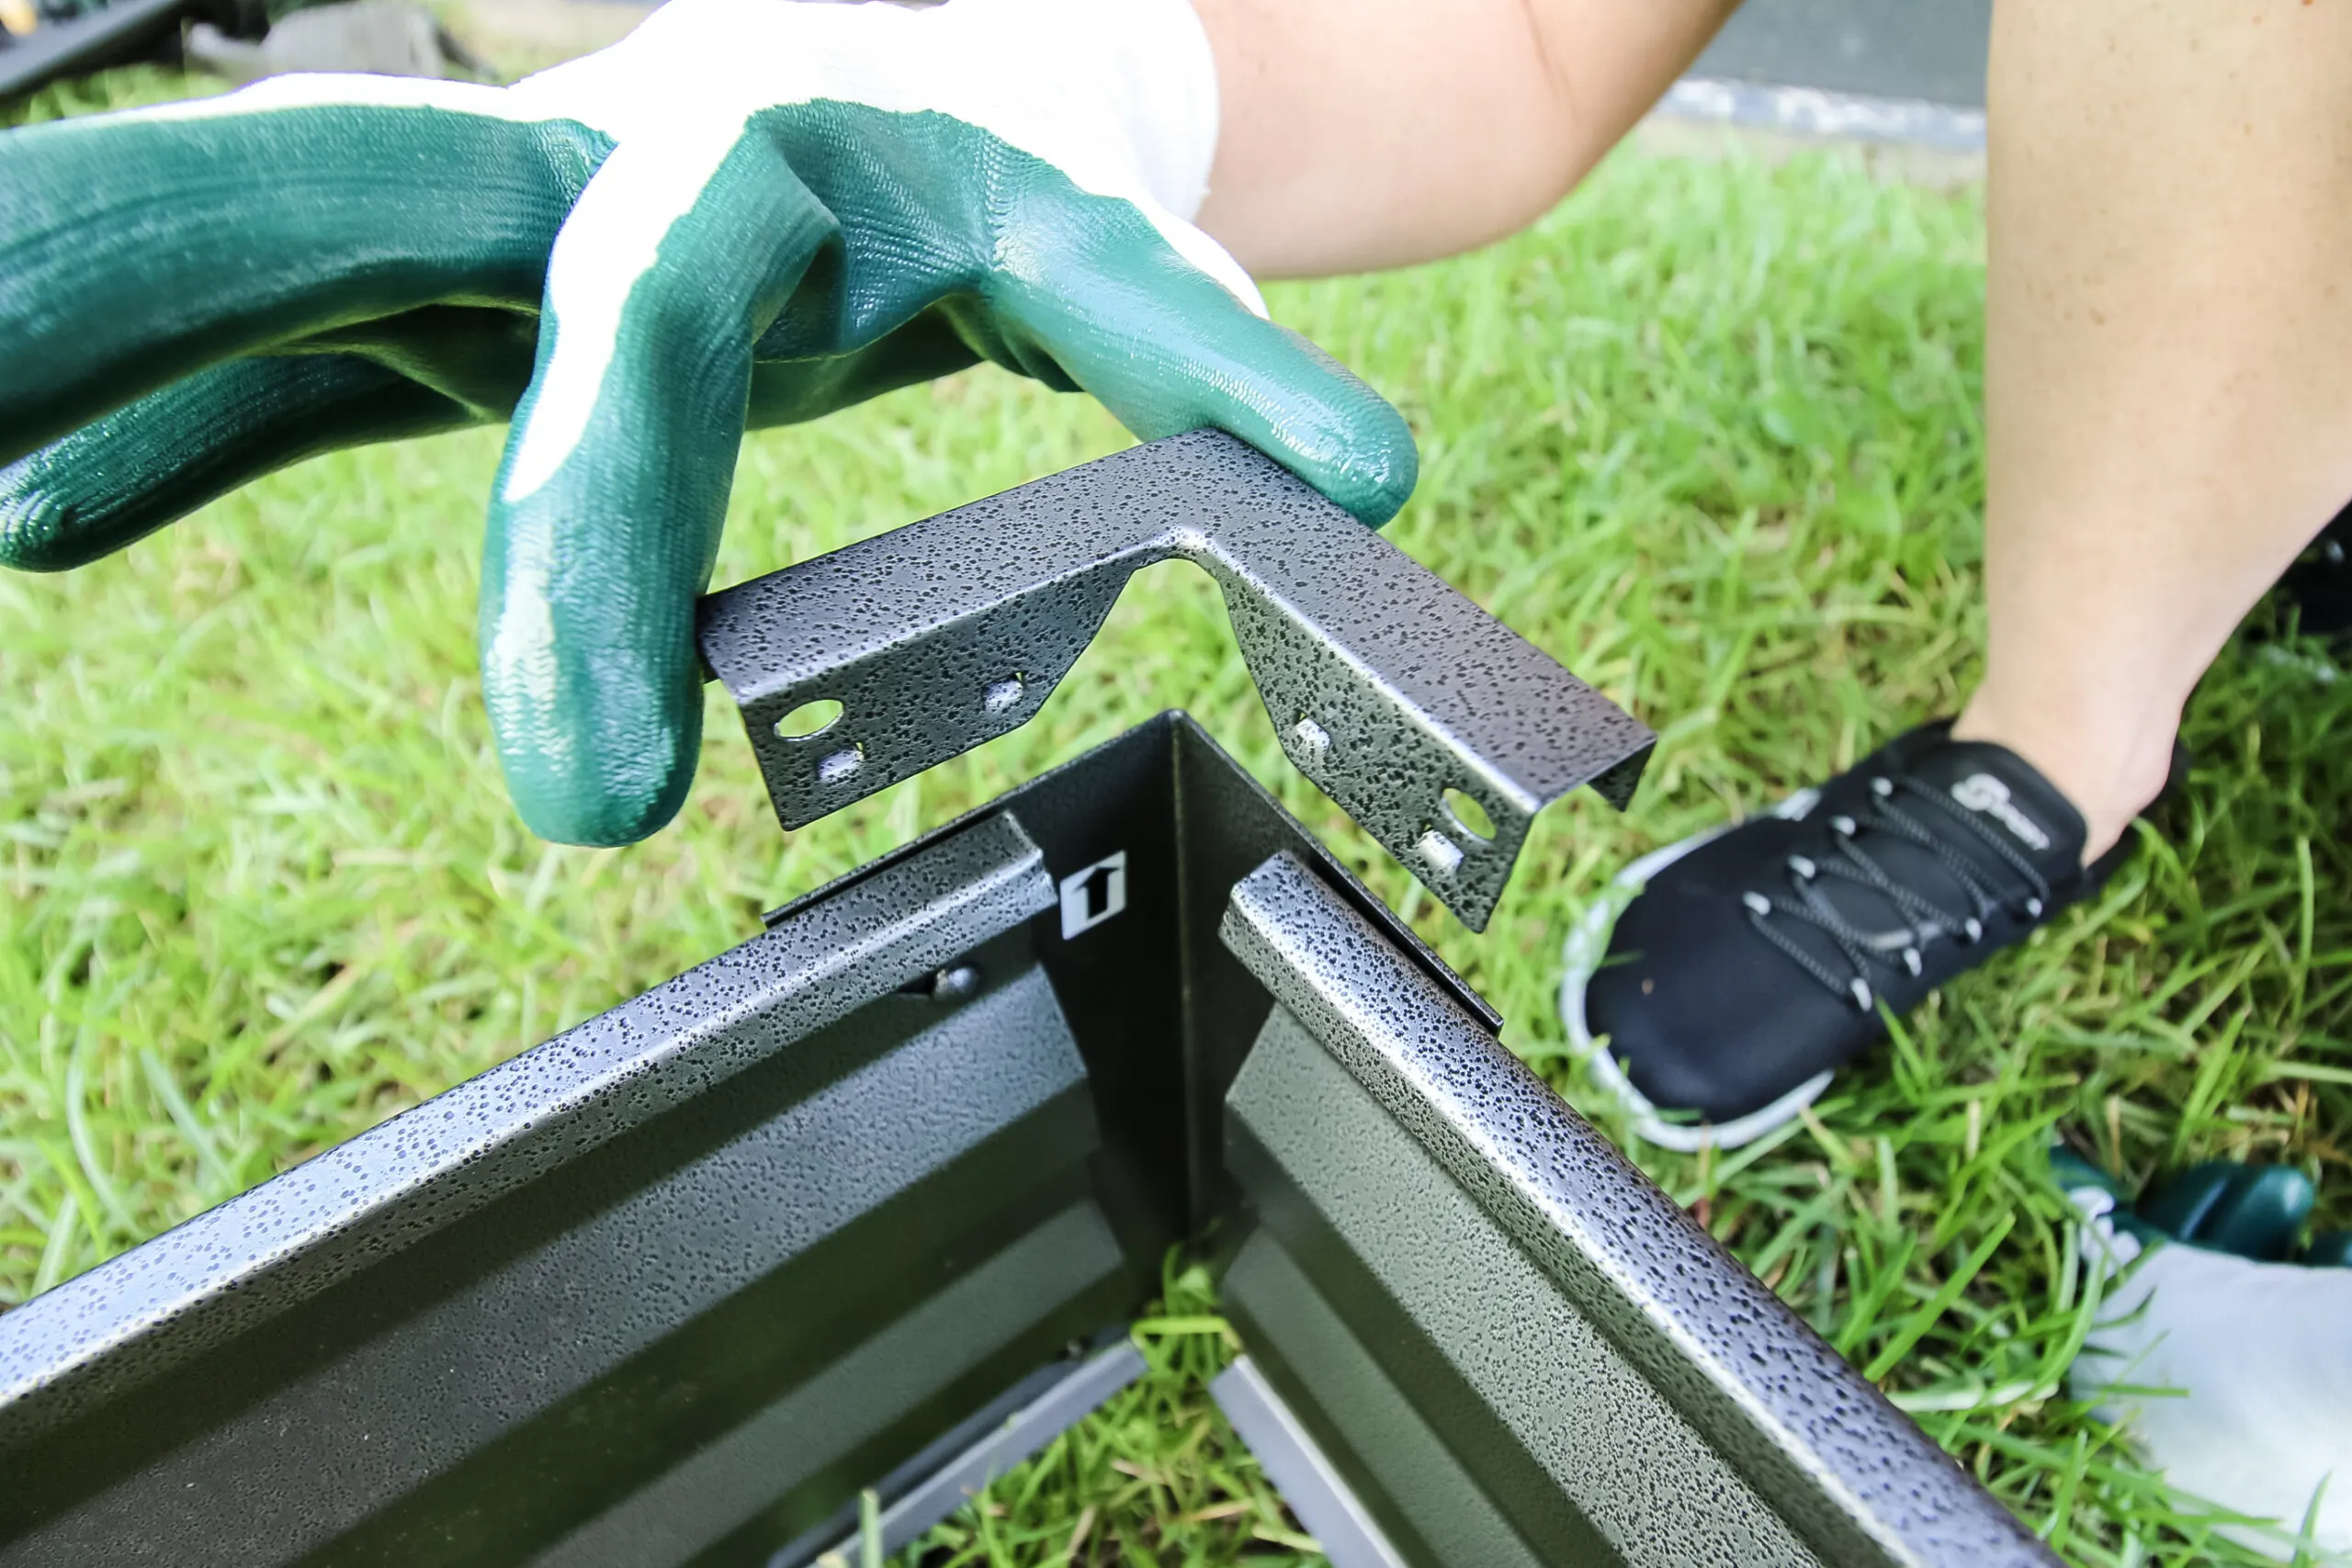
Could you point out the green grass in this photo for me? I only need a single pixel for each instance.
(1709, 434)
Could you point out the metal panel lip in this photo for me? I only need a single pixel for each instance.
(874, 1384)
(261, 1250)
(943, 1452)
(1309, 1483)
(1707, 1332)
(1068, 1399)
(792, 909)
(1386, 687)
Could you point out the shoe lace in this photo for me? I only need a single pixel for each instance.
(1893, 809)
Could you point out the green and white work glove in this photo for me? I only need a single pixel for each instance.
(2224, 1347)
(748, 212)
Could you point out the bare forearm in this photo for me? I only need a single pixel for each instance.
(1368, 133)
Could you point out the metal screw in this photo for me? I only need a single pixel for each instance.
(1441, 854)
(955, 983)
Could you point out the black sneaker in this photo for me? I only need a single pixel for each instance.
(1754, 958)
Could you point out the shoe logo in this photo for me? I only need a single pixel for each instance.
(1984, 794)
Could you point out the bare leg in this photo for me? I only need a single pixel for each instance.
(2168, 376)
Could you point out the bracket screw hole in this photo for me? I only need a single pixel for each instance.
(809, 719)
(1469, 816)
(841, 767)
(1003, 694)
(1312, 738)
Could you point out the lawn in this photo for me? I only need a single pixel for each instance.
(1709, 434)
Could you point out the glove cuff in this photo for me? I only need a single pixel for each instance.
(1156, 75)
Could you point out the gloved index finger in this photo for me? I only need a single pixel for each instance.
(138, 248)
(605, 520)
(1167, 339)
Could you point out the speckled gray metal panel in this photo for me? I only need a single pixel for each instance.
(1931, 50)
(1399, 1465)
(672, 1288)
(1540, 1294)
(236, 1266)
(664, 1286)
(954, 1330)
(1387, 686)
(943, 1481)
(1341, 1185)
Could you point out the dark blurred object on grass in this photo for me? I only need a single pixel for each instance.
(388, 38)
(2317, 589)
(43, 40)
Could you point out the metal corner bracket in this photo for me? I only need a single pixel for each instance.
(1394, 692)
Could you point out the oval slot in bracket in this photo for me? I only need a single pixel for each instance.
(1387, 686)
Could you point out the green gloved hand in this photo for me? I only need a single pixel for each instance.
(747, 212)
(2223, 1345)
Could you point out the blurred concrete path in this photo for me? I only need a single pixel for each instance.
(1902, 79)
